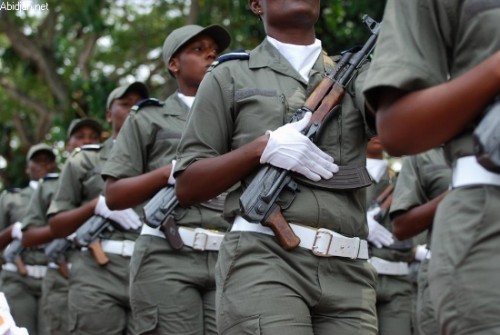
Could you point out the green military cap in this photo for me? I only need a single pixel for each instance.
(78, 123)
(180, 36)
(40, 147)
(120, 92)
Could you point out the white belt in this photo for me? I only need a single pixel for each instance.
(385, 267)
(53, 265)
(196, 238)
(124, 248)
(35, 271)
(467, 171)
(322, 242)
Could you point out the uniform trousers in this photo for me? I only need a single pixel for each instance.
(264, 289)
(464, 269)
(172, 292)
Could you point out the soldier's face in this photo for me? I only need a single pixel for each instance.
(120, 108)
(191, 63)
(40, 164)
(82, 136)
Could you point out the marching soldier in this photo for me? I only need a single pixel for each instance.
(237, 123)
(172, 287)
(98, 292)
(432, 77)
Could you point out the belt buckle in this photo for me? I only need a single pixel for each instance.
(127, 248)
(200, 239)
(321, 245)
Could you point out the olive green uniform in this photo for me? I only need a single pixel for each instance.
(422, 44)
(54, 285)
(260, 286)
(24, 293)
(394, 291)
(98, 295)
(422, 178)
(172, 291)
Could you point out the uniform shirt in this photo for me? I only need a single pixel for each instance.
(422, 178)
(423, 43)
(81, 182)
(239, 100)
(36, 215)
(147, 141)
(13, 205)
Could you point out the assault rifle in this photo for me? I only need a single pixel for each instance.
(55, 252)
(258, 201)
(487, 138)
(87, 236)
(12, 254)
(159, 213)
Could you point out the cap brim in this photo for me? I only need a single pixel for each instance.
(87, 123)
(138, 87)
(219, 34)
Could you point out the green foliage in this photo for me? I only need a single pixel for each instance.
(125, 38)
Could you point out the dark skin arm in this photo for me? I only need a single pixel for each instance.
(65, 223)
(422, 114)
(129, 192)
(196, 183)
(414, 221)
(37, 236)
(5, 237)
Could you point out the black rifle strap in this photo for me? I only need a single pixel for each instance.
(347, 178)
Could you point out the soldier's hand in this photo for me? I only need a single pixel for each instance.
(289, 149)
(126, 218)
(378, 235)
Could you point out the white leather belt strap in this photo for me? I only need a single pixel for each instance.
(201, 239)
(124, 248)
(34, 271)
(385, 267)
(53, 265)
(467, 171)
(322, 242)
(196, 238)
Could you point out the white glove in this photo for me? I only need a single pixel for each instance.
(421, 252)
(126, 218)
(289, 149)
(17, 231)
(171, 179)
(378, 234)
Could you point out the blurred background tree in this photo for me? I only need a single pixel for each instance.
(60, 59)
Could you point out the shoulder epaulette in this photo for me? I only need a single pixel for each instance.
(233, 55)
(147, 102)
(13, 190)
(87, 147)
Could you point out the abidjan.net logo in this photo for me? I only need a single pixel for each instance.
(26, 5)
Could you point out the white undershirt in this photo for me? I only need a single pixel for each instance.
(34, 184)
(301, 57)
(376, 168)
(187, 100)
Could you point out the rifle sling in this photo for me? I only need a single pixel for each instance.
(216, 203)
(347, 178)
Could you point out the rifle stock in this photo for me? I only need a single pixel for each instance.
(96, 248)
(87, 236)
(258, 201)
(159, 213)
(55, 252)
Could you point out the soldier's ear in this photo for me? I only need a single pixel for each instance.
(173, 65)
